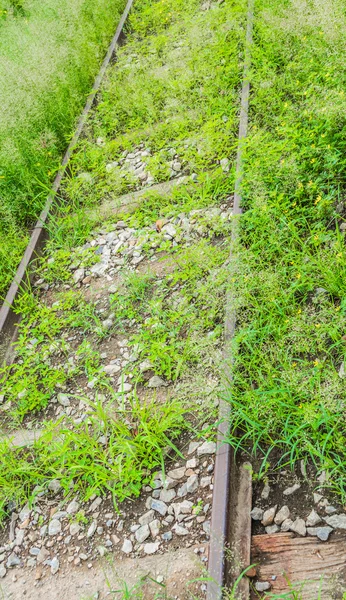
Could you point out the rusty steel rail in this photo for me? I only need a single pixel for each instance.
(8, 318)
(230, 536)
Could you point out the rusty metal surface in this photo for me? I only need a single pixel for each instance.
(8, 318)
(227, 492)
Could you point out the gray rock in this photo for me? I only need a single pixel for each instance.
(111, 369)
(63, 399)
(262, 586)
(54, 527)
(179, 530)
(78, 275)
(167, 495)
(54, 565)
(282, 515)
(225, 165)
(257, 513)
(155, 528)
(336, 521)
(156, 382)
(192, 484)
(322, 533)
(206, 448)
(206, 527)
(54, 486)
(151, 548)
(176, 473)
(268, 516)
(73, 507)
(92, 529)
(74, 528)
(286, 525)
(265, 492)
(205, 482)
(42, 555)
(34, 551)
(290, 490)
(127, 546)
(330, 510)
(159, 506)
(193, 447)
(167, 536)
(313, 519)
(317, 498)
(2, 571)
(13, 560)
(298, 526)
(142, 533)
(272, 529)
(185, 507)
(147, 518)
(146, 365)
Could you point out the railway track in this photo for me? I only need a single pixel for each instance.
(236, 542)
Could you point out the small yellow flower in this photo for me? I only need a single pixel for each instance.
(287, 320)
(294, 364)
(299, 311)
(318, 199)
(313, 146)
(337, 308)
(315, 238)
(316, 362)
(300, 406)
(317, 325)
(339, 254)
(282, 161)
(313, 160)
(323, 135)
(328, 146)
(311, 183)
(294, 204)
(298, 276)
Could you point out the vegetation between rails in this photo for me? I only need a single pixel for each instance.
(174, 320)
(50, 52)
(289, 386)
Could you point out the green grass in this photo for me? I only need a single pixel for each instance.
(290, 283)
(137, 441)
(50, 53)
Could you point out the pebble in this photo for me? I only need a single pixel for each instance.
(262, 586)
(205, 482)
(167, 495)
(321, 532)
(206, 448)
(64, 400)
(265, 492)
(272, 529)
(13, 560)
(176, 473)
(159, 506)
(282, 515)
(127, 546)
(73, 507)
(313, 519)
(257, 513)
(92, 529)
(54, 485)
(156, 382)
(290, 490)
(74, 528)
(151, 548)
(167, 536)
(54, 566)
(3, 571)
(155, 528)
(42, 555)
(193, 447)
(268, 516)
(298, 526)
(179, 530)
(336, 521)
(147, 518)
(330, 510)
(142, 533)
(54, 527)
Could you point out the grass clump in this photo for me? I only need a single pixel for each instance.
(114, 450)
(50, 54)
(289, 387)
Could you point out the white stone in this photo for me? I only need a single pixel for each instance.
(54, 527)
(142, 533)
(206, 448)
(127, 546)
(282, 515)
